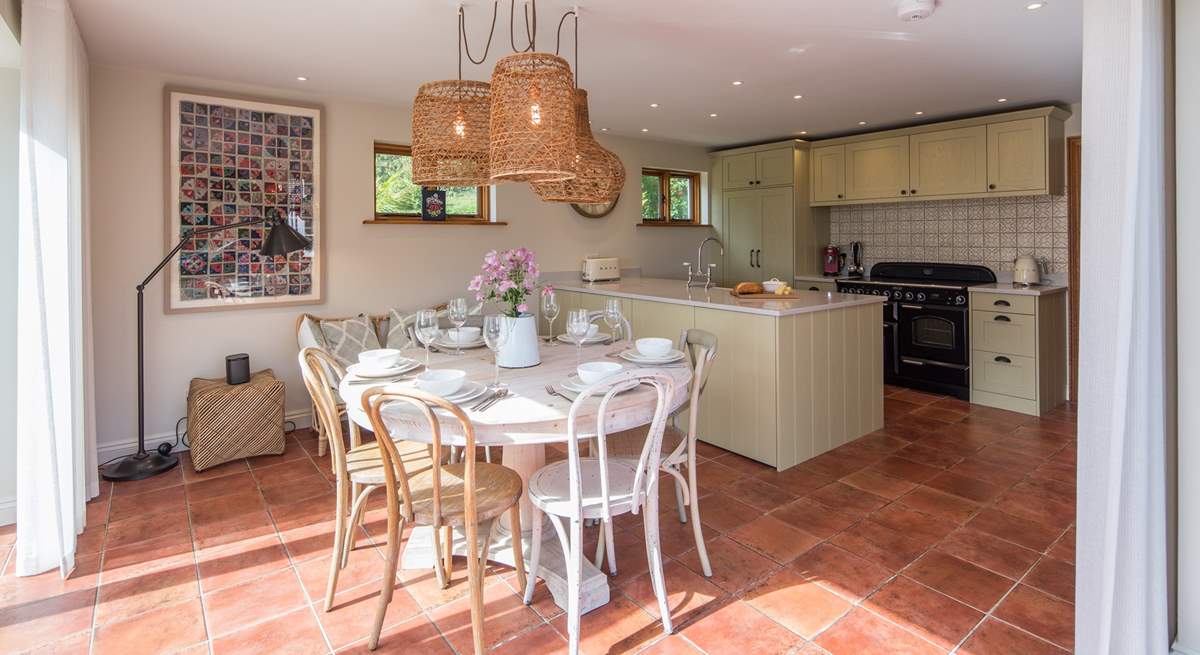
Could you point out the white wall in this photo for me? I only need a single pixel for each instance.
(368, 267)
(10, 93)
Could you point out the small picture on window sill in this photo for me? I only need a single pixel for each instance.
(433, 204)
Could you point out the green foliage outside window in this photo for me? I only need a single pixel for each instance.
(681, 198)
(651, 197)
(396, 194)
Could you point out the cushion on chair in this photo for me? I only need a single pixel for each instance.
(397, 330)
(549, 488)
(309, 334)
(345, 339)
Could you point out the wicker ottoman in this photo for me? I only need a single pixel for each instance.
(228, 422)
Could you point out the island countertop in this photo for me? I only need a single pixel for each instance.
(677, 293)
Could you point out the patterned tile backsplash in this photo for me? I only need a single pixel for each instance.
(988, 231)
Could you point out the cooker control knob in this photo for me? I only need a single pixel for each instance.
(921, 296)
(887, 294)
(908, 295)
(960, 299)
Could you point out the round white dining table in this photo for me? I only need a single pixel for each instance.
(522, 423)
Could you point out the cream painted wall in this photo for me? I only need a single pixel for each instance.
(369, 268)
(10, 93)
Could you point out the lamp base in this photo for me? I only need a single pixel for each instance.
(137, 467)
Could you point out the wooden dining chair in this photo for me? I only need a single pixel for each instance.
(451, 495)
(678, 446)
(579, 488)
(625, 327)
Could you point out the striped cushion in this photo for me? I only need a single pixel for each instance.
(347, 338)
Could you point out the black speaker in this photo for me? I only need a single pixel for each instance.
(237, 368)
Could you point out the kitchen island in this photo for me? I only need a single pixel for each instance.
(793, 378)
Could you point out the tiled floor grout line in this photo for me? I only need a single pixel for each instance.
(187, 508)
(99, 568)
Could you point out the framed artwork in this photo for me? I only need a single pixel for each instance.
(231, 160)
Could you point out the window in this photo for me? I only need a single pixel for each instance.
(396, 197)
(670, 197)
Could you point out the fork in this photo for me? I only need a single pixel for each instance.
(500, 395)
(555, 392)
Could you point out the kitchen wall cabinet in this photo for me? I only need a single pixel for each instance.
(1016, 155)
(1011, 154)
(760, 209)
(877, 169)
(1018, 351)
(828, 173)
(948, 162)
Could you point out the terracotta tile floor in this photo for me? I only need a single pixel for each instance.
(951, 530)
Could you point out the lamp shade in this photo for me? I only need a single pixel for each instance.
(450, 133)
(281, 239)
(533, 119)
(599, 174)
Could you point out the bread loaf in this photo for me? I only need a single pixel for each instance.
(747, 288)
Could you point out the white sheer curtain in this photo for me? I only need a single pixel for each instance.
(1125, 330)
(56, 450)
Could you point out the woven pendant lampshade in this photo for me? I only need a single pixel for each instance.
(450, 126)
(533, 119)
(599, 174)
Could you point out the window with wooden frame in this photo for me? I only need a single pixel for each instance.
(398, 200)
(670, 197)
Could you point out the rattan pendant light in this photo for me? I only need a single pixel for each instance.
(450, 123)
(599, 174)
(533, 119)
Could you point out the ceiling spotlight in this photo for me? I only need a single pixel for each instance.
(644, 129)
(862, 122)
(802, 132)
(1001, 99)
(1034, 6)
(918, 113)
(712, 115)
(654, 105)
(737, 82)
(797, 97)
(301, 78)
(604, 129)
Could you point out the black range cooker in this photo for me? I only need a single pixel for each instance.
(926, 344)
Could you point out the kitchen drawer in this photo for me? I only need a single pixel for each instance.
(1002, 332)
(1004, 302)
(1009, 375)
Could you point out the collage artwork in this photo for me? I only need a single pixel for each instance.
(237, 164)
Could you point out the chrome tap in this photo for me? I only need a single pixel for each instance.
(707, 272)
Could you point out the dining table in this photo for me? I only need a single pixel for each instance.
(522, 423)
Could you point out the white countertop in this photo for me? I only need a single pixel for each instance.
(676, 293)
(1020, 290)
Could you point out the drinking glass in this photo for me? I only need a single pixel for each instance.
(427, 330)
(550, 311)
(613, 318)
(457, 311)
(495, 335)
(577, 329)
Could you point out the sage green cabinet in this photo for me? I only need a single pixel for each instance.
(1019, 351)
(758, 234)
(828, 173)
(877, 169)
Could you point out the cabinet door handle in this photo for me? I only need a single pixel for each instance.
(1003, 360)
(1002, 318)
(1002, 303)
(913, 191)
(839, 196)
(758, 258)
(903, 192)
(752, 258)
(992, 187)
(813, 289)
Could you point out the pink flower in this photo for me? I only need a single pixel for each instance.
(522, 308)
(476, 283)
(505, 285)
(479, 297)
(547, 290)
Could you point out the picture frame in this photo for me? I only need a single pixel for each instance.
(228, 160)
(433, 204)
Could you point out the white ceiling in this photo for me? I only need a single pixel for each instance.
(852, 60)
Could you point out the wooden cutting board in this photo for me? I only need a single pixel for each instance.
(765, 296)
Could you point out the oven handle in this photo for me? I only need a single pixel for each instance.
(913, 306)
(918, 362)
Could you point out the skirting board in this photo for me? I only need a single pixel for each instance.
(1179, 649)
(107, 451)
(8, 510)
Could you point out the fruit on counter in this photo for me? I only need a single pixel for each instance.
(783, 290)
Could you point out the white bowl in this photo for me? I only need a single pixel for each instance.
(593, 330)
(772, 285)
(653, 346)
(593, 372)
(463, 334)
(379, 358)
(442, 381)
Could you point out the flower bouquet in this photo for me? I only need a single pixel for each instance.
(510, 277)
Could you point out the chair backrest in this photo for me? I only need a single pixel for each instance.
(701, 348)
(321, 373)
(625, 327)
(395, 473)
(646, 475)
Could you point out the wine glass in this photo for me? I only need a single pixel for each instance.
(577, 329)
(495, 335)
(457, 311)
(427, 330)
(613, 318)
(550, 311)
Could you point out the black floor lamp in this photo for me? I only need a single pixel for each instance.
(280, 239)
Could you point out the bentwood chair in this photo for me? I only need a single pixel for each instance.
(679, 449)
(464, 495)
(625, 328)
(581, 488)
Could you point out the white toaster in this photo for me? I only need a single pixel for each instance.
(597, 269)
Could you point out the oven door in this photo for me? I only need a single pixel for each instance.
(938, 334)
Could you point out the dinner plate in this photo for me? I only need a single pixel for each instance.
(632, 355)
(470, 390)
(363, 371)
(445, 344)
(599, 337)
(573, 384)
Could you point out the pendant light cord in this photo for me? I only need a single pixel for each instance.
(531, 35)
(464, 44)
(558, 41)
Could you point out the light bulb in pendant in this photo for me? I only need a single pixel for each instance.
(460, 126)
(535, 106)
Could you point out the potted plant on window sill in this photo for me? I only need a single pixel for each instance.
(509, 277)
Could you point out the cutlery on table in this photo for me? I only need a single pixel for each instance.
(500, 395)
(488, 395)
(555, 392)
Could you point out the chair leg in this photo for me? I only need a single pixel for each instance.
(339, 537)
(448, 555)
(438, 569)
(389, 573)
(654, 557)
(475, 582)
(518, 551)
(679, 501)
(360, 495)
(694, 501)
(535, 551)
(322, 438)
(574, 578)
(612, 547)
(598, 560)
